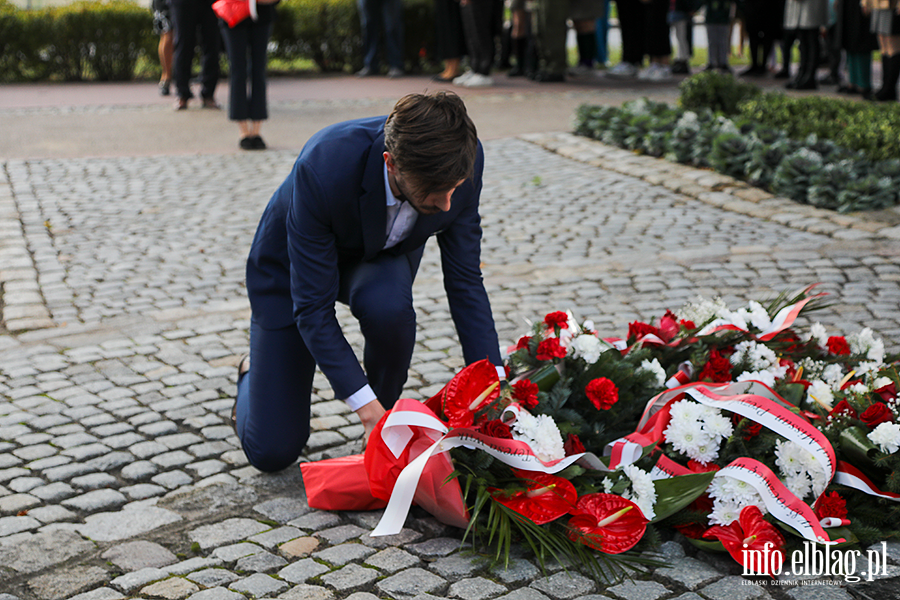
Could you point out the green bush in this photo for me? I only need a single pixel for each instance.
(719, 92)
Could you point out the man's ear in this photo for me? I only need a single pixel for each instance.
(389, 161)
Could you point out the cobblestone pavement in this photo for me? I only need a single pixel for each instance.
(123, 298)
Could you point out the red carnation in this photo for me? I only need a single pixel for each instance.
(750, 430)
(573, 445)
(526, 393)
(877, 414)
(496, 428)
(842, 409)
(668, 326)
(557, 319)
(523, 342)
(637, 330)
(717, 368)
(838, 345)
(602, 393)
(831, 505)
(550, 349)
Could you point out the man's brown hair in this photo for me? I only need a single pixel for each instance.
(432, 139)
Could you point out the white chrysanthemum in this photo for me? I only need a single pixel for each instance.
(588, 347)
(756, 315)
(819, 481)
(643, 491)
(701, 309)
(791, 457)
(820, 393)
(858, 388)
(739, 491)
(686, 436)
(608, 484)
(686, 410)
(706, 451)
(724, 513)
(887, 437)
(818, 334)
(866, 343)
(758, 356)
(765, 377)
(718, 425)
(798, 484)
(654, 367)
(868, 367)
(541, 434)
(833, 375)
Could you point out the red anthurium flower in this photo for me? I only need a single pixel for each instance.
(838, 345)
(753, 538)
(668, 326)
(607, 523)
(877, 414)
(547, 498)
(637, 330)
(470, 390)
(602, 393)
(717, 368)
(557, 319)
(831, 505)
(525, 393)
(843, 409)
(550, 349)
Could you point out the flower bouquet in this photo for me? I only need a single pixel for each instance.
(734, 428)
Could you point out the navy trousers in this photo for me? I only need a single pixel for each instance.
(273, 399)
(377, 16)
(247, 46)
(191, 16)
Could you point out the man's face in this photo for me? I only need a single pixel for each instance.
(430, 203)
(406, 189)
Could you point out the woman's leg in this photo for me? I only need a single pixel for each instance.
(273, 398)
(259, 43)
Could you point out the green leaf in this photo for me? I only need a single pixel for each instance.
(675, 493)
(857, 448)
(708, 545)
(545, 377)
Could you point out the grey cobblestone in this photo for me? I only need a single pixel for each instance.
(114, 423)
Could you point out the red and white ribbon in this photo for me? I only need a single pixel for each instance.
(852, 477)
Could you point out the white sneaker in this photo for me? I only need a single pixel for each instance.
(662, 73)
(477, 80)
(462, 79)
(649, 72)
(623, 69)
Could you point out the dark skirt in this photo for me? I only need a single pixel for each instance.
(450, 41)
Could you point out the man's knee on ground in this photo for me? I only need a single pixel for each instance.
(274, 457)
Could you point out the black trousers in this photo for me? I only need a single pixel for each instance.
(247, 46)
(191, 16)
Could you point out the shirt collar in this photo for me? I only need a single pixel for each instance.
(389, 196)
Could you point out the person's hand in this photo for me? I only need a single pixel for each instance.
(369, 414)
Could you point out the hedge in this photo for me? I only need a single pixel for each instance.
(105, 40)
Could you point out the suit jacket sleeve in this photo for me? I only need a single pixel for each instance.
(460, 245)
(313, 253)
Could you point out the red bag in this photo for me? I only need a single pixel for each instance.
(233, 11)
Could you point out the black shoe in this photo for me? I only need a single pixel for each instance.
(211, 103)
(257, 142)
(754, 71)
(809, 85)
(548, 77)
(680, 67)
(783, 74)
(247, 143)
(164, 88)
(516, 71)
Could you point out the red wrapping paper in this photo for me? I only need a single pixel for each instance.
(339, 484)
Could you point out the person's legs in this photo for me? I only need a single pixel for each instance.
(476, 15)
(236, 39)
(259, 42)
(392, 13)
(184, 15)
(166, 49)
(209, 59)
(273, 398)
(379, 294)
(370, 23)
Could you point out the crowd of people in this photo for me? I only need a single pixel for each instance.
(532, 42)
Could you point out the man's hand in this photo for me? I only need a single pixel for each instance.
(369, 414)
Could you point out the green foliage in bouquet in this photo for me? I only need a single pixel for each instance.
(716, 91)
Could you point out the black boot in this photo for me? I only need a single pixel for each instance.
(890, 69)
(519, 47)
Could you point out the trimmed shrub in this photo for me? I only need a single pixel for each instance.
(795, 172)
(730, 153)
(719, 92)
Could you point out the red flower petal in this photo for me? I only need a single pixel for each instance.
(751, 537)
(548, 497)
(465, 393)
(557, 319)
(607, 523)
(602, 393)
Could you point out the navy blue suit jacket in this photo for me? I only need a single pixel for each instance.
(331, 210)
